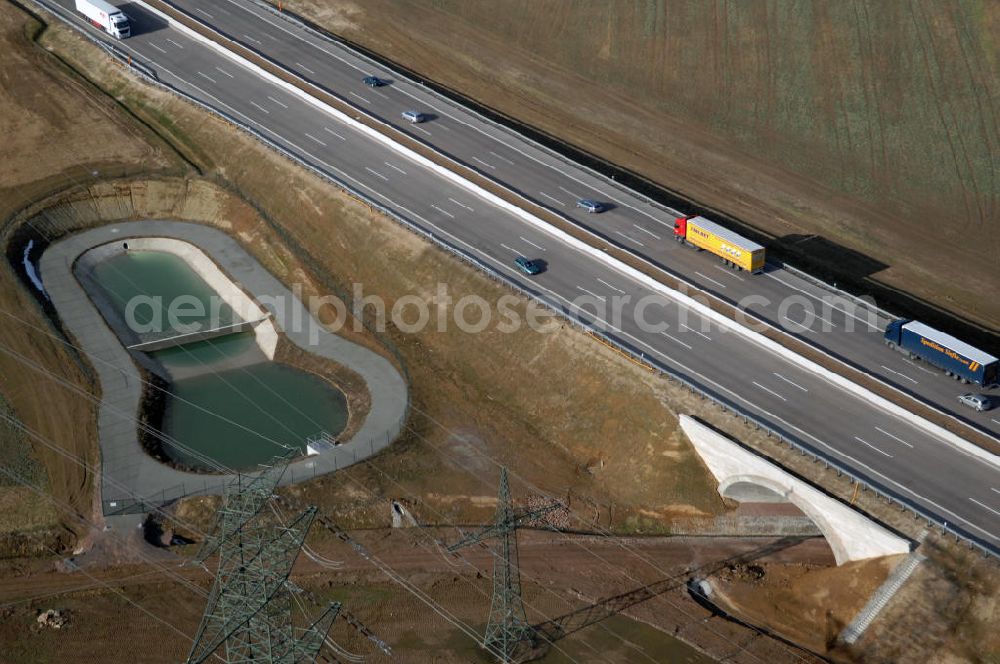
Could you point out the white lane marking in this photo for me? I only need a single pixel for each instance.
(639, 342)
(330, 131)
(614, 288)
(395, 168)
(206, 76)
(894, 437)
(818, 299)
(444, 212)
(553, 199)
(688, 346)
(767, 389)
(795, 322)
(862, 440)
(599, 297)
(223, 71)
(376, 174)
(510, 249)
(698, 332)
(355, 94)
(460, 204)
(316, 139)
(631, 239)
(477, 159)
(571, 193)
(501, 157)
(997, 421)
(161, 50)
(985, 506)
(255, 41)
(707, 278)
(647, 232)
(271, 37)
(202, 11)
(536, 246)
(423, 131)
(994, 490)
(898, 374)
(790, 382)
(252, 102)
(920, 368)
(283, 105)
(730, 273)
(175, 43)
(304, 68)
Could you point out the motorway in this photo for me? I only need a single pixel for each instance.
(889, 451)
(633, 223)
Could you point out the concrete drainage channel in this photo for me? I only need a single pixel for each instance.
(134, 482)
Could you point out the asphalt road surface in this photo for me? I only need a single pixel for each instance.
(889, 451)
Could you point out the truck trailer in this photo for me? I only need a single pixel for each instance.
(955, 357)
(734, 250)
(105, 16)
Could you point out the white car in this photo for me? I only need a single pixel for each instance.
(414, 116)
(980, 402)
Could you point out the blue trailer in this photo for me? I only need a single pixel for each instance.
(957, 358)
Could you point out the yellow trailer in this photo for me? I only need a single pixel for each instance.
(733, 249)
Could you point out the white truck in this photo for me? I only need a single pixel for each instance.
(105, 16)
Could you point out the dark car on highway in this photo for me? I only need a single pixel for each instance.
(374, 81)
(527, 265)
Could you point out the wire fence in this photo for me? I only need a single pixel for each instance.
(578, 318)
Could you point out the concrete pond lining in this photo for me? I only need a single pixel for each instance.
(131, 480)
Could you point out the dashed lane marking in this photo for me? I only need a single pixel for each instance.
(698, 332)
(903, 375)
(688, 346)
(630, 239)
(444, 212)
(767, 389)
(894, 437)
(553, 199)
(536, 246)
(614, 288)
(862, 440)
(790, 382)
(708, 278)
(316, 139)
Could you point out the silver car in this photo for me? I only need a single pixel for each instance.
(980, 402)
(414, 116)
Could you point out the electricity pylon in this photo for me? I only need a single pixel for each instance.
(508, 625)
(249, 610)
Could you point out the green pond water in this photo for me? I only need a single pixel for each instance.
(237, 417)
(251, 412)
(145, 286)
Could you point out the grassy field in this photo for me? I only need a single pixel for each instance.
(870, 124)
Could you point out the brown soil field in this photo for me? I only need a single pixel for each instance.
(859, 139)
(602, 434)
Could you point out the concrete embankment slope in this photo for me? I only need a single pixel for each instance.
(130, 477)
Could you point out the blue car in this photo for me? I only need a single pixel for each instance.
(374, 81)
(527, 265)
(591, 206)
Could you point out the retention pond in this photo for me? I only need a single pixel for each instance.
(226, 404)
